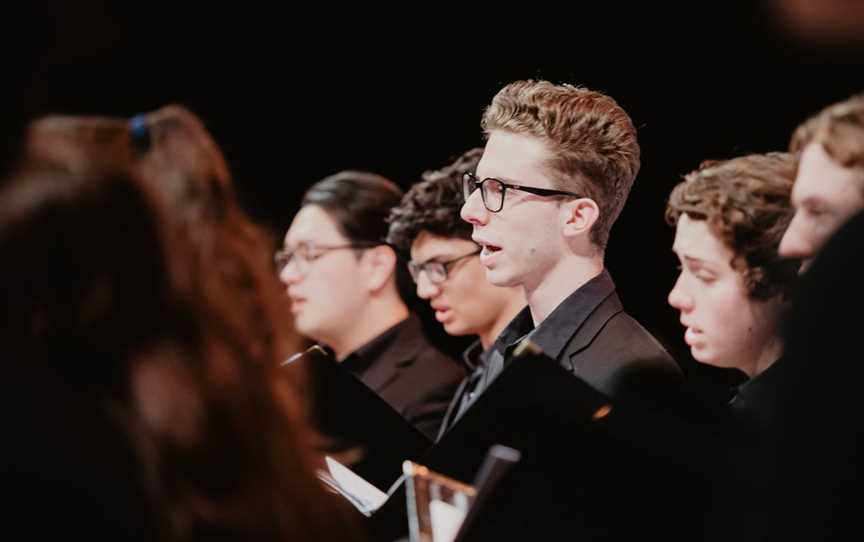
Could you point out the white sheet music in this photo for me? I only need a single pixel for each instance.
(446, 520)
(363, 495)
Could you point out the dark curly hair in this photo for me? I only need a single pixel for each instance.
(433, 204)
(746, 203)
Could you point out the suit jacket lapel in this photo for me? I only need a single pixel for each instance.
(400, 352)
(589, 329)
(453, 407)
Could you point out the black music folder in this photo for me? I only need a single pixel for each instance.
(589, 468)
(360, 429)
(533, 406)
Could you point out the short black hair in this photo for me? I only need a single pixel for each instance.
(358, 201)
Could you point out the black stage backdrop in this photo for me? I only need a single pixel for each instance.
(293, 96)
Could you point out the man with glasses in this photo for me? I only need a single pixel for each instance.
(446, 268)
(341, 278)
(555, 173)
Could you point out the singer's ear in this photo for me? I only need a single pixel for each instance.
(579, 215)
(379, 265)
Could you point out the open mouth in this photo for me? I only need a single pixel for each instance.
(488, 254)
(488, 250)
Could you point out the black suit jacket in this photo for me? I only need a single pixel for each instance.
(617, 356)
(591, 336)
(409, 373)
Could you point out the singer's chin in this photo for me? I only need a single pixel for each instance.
(303, 325)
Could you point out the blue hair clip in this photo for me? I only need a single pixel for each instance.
(139, 129)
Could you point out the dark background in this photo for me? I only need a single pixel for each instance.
(296, 93)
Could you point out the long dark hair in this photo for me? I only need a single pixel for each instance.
(217, 433)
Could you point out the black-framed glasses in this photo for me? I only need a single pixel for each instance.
(436, 271)
(304, 254)
(492, 190)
